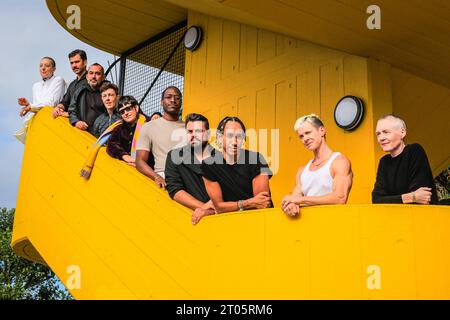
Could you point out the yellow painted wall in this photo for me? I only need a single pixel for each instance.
(425, 106)
(269, 80)
(131, 241)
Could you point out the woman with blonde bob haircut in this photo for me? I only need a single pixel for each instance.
(326, 179)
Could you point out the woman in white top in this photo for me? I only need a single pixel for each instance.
(47, 92)
(326, 179)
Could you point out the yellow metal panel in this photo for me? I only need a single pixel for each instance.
(230, 48)
(131, 240)
(380, 98)
(248, 49)
(305, 78)
(284, 44)
(116, 26)
(331, 90)
(438, 240)
(413, 35)
(422, 32)
(266, 45)
(226, 109)
(425, 107)
(285, 114)
(383, 229)
(197, 80)
(308, 92)
(265, 107)
(330, 268)
(410, 38)
(439, 10)
(246, 110)
(356, 83)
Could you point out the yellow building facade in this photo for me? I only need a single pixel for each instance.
(260, 69)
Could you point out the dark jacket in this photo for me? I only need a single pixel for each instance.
(86, 105)
(119, 143)
(73, 86)
(103, 121)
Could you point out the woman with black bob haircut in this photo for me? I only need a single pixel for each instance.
(122, 143)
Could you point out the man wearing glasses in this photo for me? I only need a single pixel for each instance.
(160, 136)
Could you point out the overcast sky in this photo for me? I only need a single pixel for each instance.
(28, 33)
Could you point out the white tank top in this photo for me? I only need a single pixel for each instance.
(318, 182)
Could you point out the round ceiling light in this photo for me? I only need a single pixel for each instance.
(193, 38)
(349, 112)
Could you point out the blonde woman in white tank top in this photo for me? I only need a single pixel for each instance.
(326, 179)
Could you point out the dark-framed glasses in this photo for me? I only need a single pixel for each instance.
(126, 109)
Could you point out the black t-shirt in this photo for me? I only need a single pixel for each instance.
(402, 174)
(236, 180)
(183, 171)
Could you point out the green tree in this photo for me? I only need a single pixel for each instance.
(20, 278)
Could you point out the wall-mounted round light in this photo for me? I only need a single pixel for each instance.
(193, 38)
(349, 112)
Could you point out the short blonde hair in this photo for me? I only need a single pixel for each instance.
(311, 118)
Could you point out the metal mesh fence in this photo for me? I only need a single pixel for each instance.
(112, 70)
(143, 65)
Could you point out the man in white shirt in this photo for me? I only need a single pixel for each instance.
(160, 136)
(47, 92)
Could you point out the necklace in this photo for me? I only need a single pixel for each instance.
(318, 164)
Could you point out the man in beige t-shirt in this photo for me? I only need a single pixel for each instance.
(160, 136)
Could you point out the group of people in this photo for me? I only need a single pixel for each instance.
(178, 157)
(403, 175)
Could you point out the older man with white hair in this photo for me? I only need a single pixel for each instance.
(404, 175)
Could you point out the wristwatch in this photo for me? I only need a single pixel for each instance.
(241, 205)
